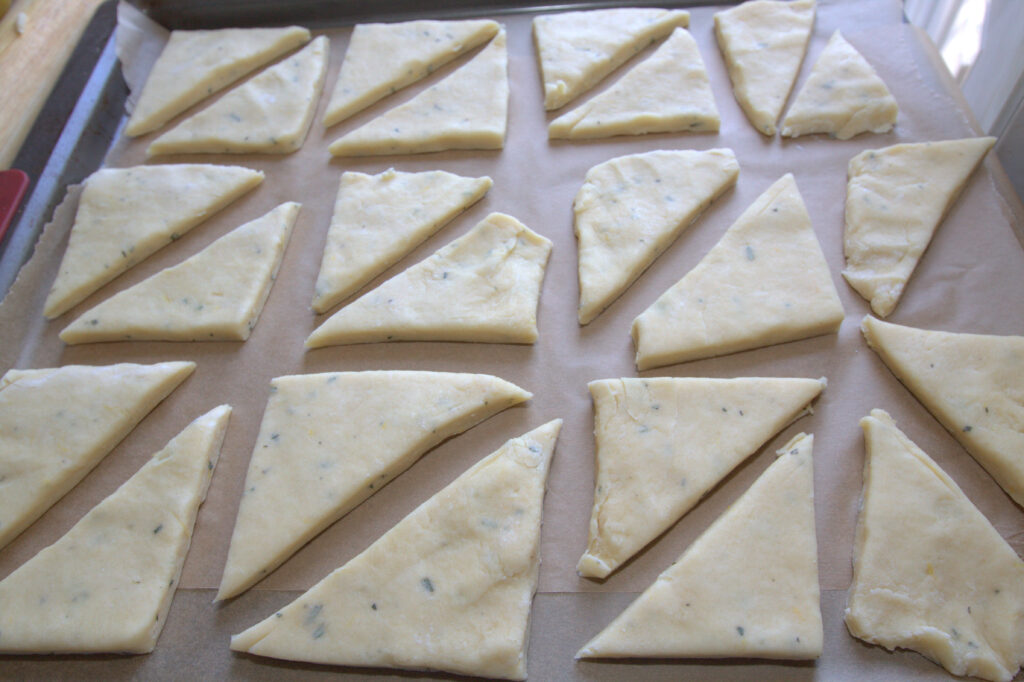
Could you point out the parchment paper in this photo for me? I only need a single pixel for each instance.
(970, 279)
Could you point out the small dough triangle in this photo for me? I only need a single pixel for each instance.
(381, 59)
(930, 573)
(380, 218)
(842, 97)
(631, 208)
(667, 92)
(765, 282)
(126, 214)
(448, 588)
(268, 114)
(483, 287)
(468, 109)
(329, 441)
(106, 585)
(747, 587)
(215, 295)
(895, 199)
(576, 50)
(57, 424)
(971, 383)
(763, 43)
(195, 64)
(663, 443)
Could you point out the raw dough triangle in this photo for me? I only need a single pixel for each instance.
(971, 383)
(930, 573)
(106, 585)
(269, 113)
(196, 64)
(484, 287)
(126, 214)
(466, 110)
(747, 587)
(57, 424)
(765, 282)
(329, 441)
(842, 97)
(380, 218)
(895, 199)
(663, 443)
(384, 58)
(763, 43)
(631, 208)
(448, 588)
(215, 295)
(667, 92)
(576, 50)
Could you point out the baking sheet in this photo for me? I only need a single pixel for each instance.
(974, 254)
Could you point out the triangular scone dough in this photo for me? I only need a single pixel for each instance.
(930, 573)
(384, 58)
(576, 50)
(57, 424)
(971, 383)
(466, 110)
(895, 199)
(842, 97)
(107, 584)
(765, 282)
(448, 588)
(763, 43)
(380, 218)
(667, 92)
(632, 208)
(747, 587)
(663, 443)
(484, 287)
(126, 214)
(215, 295)
(196, 64)
(329, 441)
(269, 113)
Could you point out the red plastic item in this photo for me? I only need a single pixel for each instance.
(13, 184)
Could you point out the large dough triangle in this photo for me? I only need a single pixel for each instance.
(930, 573)
(895, 199)
(270, 113)
(380, 218)
(972, 383)
(747, 587)
(484, 287)
(384, 58)
(448, 588)
(107, 584)
(631, 208)
(215, 295)
(763, 43)
(765, 282)
(196, 64)
(576, 50)
(667, 92)
(468, 109)
(329, 441)
(663, 443)
(57, 424)
(126, 214)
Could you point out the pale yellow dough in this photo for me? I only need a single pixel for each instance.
(930, 573)
(663, 443)
(329, 441)
(56, 424)
(106, 585)
(746, 588)
(449, 588)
